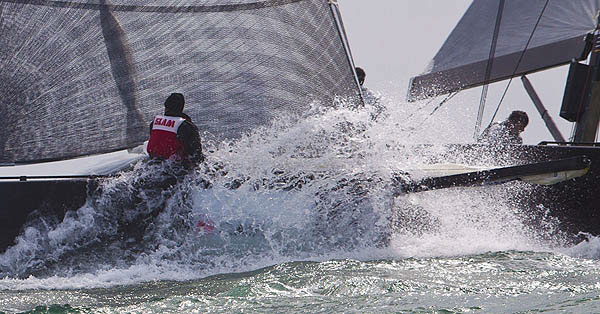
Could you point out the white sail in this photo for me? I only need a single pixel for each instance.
(557, 30)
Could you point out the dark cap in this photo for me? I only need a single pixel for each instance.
(361, 75)
(174, 103)
(520, 117)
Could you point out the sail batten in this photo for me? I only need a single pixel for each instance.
(87, 76)
(462, 60)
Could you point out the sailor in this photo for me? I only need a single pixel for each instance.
(508, 131)
(174, 136)
(370, 98)
(378, 109)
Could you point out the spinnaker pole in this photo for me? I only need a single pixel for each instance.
(542, 110)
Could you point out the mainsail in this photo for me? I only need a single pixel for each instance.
(82, 77)
(533, 35)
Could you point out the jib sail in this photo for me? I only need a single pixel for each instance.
(464, 59)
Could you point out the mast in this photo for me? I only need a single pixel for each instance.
(488, 69)
(337, 16)
(586, 126)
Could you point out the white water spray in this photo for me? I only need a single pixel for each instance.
(314, 187)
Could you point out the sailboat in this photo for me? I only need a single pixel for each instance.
(82, 79)
(499, 40)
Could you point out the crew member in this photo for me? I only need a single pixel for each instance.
(369, 97)
(508, 131)
(174, 136)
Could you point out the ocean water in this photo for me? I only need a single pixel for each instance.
(301, 217)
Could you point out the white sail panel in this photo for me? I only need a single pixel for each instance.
(462, 61)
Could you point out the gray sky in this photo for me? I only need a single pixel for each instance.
(394, 40)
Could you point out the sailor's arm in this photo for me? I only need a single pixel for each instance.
(188, 133)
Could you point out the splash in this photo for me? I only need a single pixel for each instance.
(310, 187)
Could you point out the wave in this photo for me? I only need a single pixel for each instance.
(312, 187)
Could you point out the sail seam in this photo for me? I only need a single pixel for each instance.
(156, 9)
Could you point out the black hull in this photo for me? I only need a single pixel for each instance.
(575, 203)
(20, 199)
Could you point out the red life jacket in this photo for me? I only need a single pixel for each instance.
(163, 141)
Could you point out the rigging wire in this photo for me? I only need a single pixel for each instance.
(519, 62)
(450, 96)
(420, 108)
(445, 100)
(488, 69)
